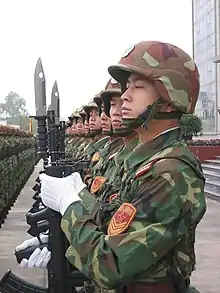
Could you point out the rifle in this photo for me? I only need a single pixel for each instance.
(62, 278)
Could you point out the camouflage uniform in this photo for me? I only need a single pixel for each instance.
(115, 171)
(81, 148)
(98, 172)
(93, 150)
(147, 242)
(73, 144)
(96, 142)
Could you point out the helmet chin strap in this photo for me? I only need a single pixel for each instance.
(123, 131)
(143, 119)
(151, 112)
(107, 132)
(96, 132)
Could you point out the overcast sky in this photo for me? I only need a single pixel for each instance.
(77, 41)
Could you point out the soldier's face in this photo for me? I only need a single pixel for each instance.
(73, 128)
(86, 126)
(80, 126)
(116, 112)
(140, 93)
(106, 122)
(94, 120)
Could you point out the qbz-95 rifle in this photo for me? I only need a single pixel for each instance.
(62, 277)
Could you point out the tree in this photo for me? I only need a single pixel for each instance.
(15, 105)
(191, 125)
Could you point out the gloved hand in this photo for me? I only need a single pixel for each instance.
(41, 206)
(58, 193)
(39, 258)
(79, 184)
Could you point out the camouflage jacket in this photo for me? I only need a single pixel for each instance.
(98, 172)
(72, 146)
(115, 172)
(93, 147)
(153, 218)
(80, 149)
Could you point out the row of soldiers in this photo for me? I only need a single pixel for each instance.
(97, 134)
(131, 224)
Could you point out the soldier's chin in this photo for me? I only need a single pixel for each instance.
(127, 116)
(106, 129)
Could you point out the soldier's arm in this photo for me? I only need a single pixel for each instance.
(168, 203)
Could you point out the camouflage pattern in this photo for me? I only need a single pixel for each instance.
(101, 166)
(94, 146)
(115, 170)
(72, 146)
(111, 90)
(174, 73)
(169, 202)
(80, 149)
(92, 105)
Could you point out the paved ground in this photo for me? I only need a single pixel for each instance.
(206, 278)
(13, 232)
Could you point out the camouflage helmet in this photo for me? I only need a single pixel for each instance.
(74, 116)
(84, 115)
(88, 108)
(112, 89)
(70, 119)
(174, 73)
(98, 102)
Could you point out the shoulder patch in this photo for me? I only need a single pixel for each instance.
(97, 183)
(95, 157)
(143, 170)
(112, 156)
(121, 219)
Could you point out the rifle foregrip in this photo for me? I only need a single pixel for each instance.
(26, 253)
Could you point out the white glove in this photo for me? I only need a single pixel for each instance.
(32, 242)
(41, 206)
(38, 259)
(79, 184)
(58, 193)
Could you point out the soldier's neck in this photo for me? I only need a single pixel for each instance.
(99, 136)
(155, 128)
(113, 138)
(130, 137)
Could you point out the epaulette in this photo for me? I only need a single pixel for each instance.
(112, 156)
(143, 170)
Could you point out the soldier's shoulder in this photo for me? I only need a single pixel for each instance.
(171, 163)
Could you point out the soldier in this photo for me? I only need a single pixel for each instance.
(83, 132)
(115, 168)
(74, 143)
(98, 140)
(112, 145)
(149, 242)
(85, 117)
(107, 173)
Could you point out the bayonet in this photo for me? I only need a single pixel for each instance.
(55, 103)
(40, 90)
